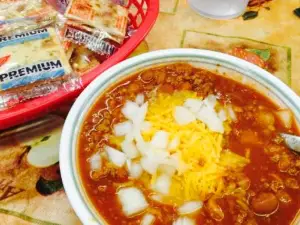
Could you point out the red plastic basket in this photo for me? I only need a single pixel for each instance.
(142, 15)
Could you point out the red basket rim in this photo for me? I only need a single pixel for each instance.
(34, 108)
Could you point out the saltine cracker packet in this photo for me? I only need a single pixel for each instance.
(98, 41)
(101, 14)
(33, 64)
(24, 15)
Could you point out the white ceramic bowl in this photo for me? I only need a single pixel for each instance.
(235, 68)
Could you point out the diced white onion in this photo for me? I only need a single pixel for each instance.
(116, 157)
(172, 160)
(208, 116)
(141, 115)
(210, 100)
(146, 126)
(184, 221)
(174, 143)
(157, 155)
(193, 105)
(121, 129)
(156, 197)
(135, 170)
(140, 98)
(95, 161)
(148, 219)
(167, 169)
(129, 148)
(222, 115)
(285, 116)
(130, 110)
(183, 116)
(160, 139)
(132, 200)
(141, 145)
(128, 164)
(190, 207)
(162, 184)
(231, 113)
(149, 165)
(175, 160)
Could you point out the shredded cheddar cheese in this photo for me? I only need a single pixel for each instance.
(204, 162)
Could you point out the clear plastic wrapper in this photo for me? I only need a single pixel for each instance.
(99, 14)
(68, 48)
(59, 5)
(83, 60)
(98, 41)
(121, 2)
(24, 15)
(33, 64)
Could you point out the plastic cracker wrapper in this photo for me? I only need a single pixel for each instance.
(121, 2)
(100, 14)
(59, 5)
(69, 48)
(98, 41)
(83, 60)
(33, 64)
(24, 15)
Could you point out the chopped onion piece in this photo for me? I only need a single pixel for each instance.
(116, 157)
(146, 126)
(128, 164)
(132, 200)
(130, 110)
(141, 145)
(148, 219)
(129, 136)
(160, 139)
(210, 100)
(149, 165)
(141, 115)
(162, 184)
(167, 169)
(156, 197)
(135, 170)
(184, 221)
(152, 159)
(222, 115)
(95, 161)
(190, 207)
(175, 160)
(129, 148)
(231, 113)
(121, 129)
(285, 116)
(158, 155)
(174, 143)
(140, 98)
(193, 105)
(183, 116)
(208, 116)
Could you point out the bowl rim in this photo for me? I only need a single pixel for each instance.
(86, 99)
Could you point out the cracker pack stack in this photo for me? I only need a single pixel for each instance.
(32, 60)
(44, 43)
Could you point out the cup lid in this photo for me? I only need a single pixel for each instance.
(219, 9)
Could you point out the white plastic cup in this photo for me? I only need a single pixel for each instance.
(219, 9)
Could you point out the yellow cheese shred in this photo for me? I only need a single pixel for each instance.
(206, 163)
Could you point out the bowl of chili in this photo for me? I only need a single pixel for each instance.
(98, 176)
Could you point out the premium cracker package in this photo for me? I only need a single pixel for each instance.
(33, 64)
(18, 16)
